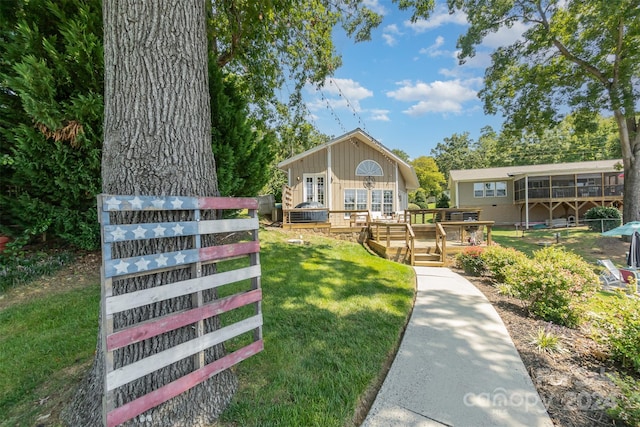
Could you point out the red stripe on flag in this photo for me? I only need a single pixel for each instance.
(227, 251)
(227, 203)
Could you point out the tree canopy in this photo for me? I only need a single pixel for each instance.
(573, 56)
(51, 86)
(429, 176)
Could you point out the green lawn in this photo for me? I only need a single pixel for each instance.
(42, 342)
(333, 315)
(588, 244)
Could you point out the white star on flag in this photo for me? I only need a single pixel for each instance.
(177, 229)
(139, 232)
(159, 230)
(177, 203)
(180, 257)
(118, 234)
(162, 260)
(158, 203)
(136, 203)
(143, 264)
(122, 267)
(113, 204)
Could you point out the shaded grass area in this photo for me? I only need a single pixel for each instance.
(40, 341)
(16, 270)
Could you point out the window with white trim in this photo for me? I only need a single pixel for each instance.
(382, 201)
(369, 168)
(314, 189)
(355, 199)
(490, 189)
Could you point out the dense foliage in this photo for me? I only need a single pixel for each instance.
(243, 153)
(553, 284)
(602, 218)
(51, 118)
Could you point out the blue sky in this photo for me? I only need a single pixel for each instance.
(405, 87)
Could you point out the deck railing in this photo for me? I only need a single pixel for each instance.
(392, 231)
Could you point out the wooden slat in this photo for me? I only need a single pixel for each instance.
(156, 230)
(112, 203)
(228, 203)
(161, 395)
(168, 323)
(228, 251)
(149, 263)
(160, 293)
(135, 370)
(228, 225)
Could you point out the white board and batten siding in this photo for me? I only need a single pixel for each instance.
(118, 268)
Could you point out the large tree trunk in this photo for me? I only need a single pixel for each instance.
(157, 141)
(630, 147)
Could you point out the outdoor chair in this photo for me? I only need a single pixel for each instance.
(610, 276)
(626, 274)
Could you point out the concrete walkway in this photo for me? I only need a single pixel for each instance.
(456, 365)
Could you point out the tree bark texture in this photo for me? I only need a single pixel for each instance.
(157, 141)
(630, 147)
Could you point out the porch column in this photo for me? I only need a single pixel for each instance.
(329, 179)
(396, 194)
(526, 201)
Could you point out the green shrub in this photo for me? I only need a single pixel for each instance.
(553, 284)
(499, 259)
(627, 408)
(471, 261)
(624, 339)
(443, 201)
(413, 207)
(602, 218)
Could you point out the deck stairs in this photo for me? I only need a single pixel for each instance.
(418, 245)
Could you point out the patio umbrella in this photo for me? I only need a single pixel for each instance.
(633, 259)
(624, 230)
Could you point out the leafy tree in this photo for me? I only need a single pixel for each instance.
(293, 138)
(401, 154)
(456, 152)
(51, 90)
(51, 117)
(573, 55)
(157, 140)
(429, 176)
(242, 152)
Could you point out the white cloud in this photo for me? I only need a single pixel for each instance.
(375, 6)
(392, 28)
(389, 39)
(348, 88)
(380, 115)
(343, 94)
(440, 17)
(388, 34)
(434, 49)
(436, 97)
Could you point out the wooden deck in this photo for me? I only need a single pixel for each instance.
(415, 244)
